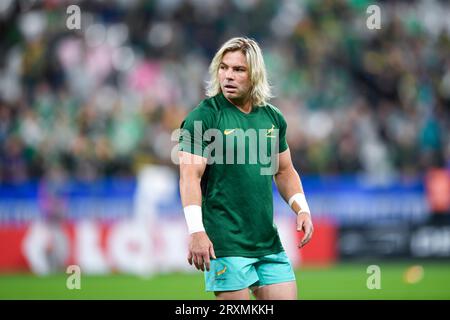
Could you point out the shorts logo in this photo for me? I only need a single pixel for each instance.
(218, 273)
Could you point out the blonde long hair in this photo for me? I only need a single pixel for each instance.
(260, 88)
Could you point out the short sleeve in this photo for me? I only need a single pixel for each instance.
(192, 129)
(282, 135)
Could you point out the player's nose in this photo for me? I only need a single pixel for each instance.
(229, 74)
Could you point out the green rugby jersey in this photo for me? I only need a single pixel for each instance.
(237, 200)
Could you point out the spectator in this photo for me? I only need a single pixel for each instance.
(103, 99)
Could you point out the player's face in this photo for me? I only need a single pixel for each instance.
(234, 76)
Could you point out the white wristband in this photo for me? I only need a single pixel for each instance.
(300, 199)
(193, 215)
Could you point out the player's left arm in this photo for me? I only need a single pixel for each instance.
(290, 188)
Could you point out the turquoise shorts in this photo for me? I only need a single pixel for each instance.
(236, 273)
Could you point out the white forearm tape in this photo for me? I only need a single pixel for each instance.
(193, 215)
(300, 199)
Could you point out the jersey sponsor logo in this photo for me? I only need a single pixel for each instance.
(228, 131)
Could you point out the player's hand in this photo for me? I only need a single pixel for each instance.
(304, 223)
(200, 251)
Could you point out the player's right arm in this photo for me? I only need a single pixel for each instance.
(201, 248)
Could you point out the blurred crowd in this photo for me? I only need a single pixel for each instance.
(103, 100)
